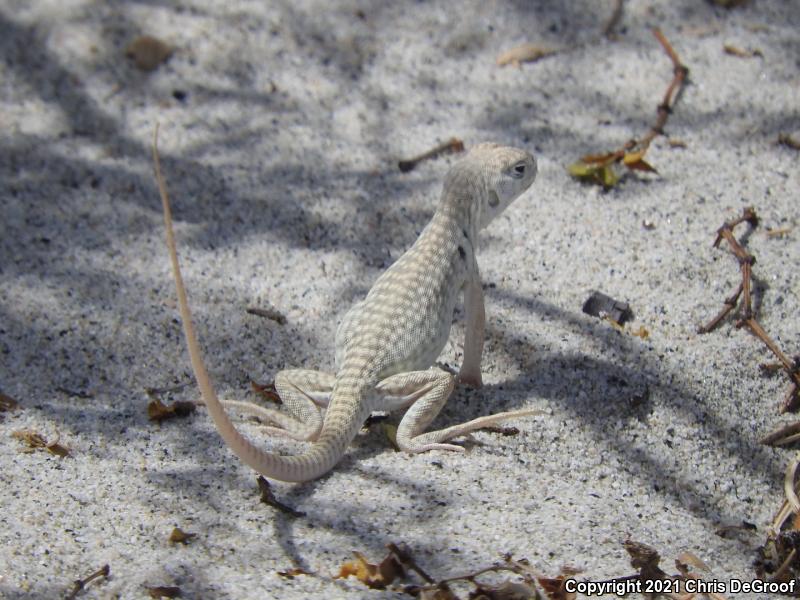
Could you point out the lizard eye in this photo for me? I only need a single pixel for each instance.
(518, 172)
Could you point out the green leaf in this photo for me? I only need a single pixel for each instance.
(581, 170)
(609, 177)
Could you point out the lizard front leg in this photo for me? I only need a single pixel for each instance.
(426, 392)
(470, 372)
(304, 392)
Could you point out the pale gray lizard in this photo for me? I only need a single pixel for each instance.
(387, 343)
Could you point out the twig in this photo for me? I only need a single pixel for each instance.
(403, 555)
(451, 145)
(268, 313)
(744, 292)
(783, 436)
(598, 168)
(613, 21)
(784, 139)
(80, 584)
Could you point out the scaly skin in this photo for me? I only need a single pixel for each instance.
(386, 344)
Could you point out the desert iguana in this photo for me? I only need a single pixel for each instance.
(387, 343)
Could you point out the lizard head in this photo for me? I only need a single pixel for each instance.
(491, 177)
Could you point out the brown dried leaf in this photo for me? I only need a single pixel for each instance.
(273, 314)
(555, 589)
(268, 392)
(179, 536)
(641, 165)
(158, 411)
(784, 139)
(740, 52)
(292, 573)
(58, 449)
(778, 232)
(163, 591)
(148, 52)
(523, 53)
(373, 576)
(602, 159)
(35, 441)
(7, 402)
(691, 559)
(642, 555)
(267, 497)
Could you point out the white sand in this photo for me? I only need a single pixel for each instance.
(281, 161)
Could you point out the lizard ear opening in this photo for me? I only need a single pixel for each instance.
(494, 199)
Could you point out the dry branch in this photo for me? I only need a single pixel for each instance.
(747, 319)
(599, 168)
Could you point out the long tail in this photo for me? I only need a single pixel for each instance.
(313, 463)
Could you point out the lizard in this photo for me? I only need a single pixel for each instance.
(386, 344)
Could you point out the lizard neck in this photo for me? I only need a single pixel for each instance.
(458, 209)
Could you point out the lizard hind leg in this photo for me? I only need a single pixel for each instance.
(304, 393)
(426, 392)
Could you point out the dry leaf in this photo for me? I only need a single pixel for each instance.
(784, 139)
(163, 591)
(390, 431)
(641, 165)
(158, 411)
(691, 559)
(741, 53)
(35, 441)
(273, 314)
(148, 52)
(57, 449)
(31, 438)
(179, 536)
(7, 402)
(631, 158)
(603, 159)
(523, 53)
(374, 576)
(598, 174)
(555, 589)
(267, 392)
(292, 573)
(267, 497)
(780, 231)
